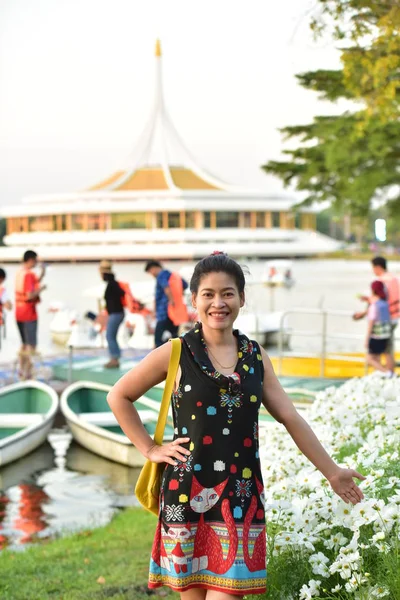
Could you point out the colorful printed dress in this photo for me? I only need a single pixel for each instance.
(211, 528)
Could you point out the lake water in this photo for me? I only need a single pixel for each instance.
(60, 487)
(329, 284)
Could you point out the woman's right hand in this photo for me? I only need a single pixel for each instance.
(169, 453)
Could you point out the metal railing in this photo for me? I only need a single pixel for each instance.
(322, 334)
(71, 349)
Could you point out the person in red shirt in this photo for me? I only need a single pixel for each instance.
(27, 295)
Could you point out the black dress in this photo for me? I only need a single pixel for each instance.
(211, 527)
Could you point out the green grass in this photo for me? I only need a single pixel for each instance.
(68, 568)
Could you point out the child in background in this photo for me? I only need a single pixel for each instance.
(379, 329)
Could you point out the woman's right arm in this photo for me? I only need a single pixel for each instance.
(150, 371)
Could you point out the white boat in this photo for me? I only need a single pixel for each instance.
(162, 204)
(93, 425)
(27, 412)
(278, 273)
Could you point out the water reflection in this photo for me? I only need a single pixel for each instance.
(120, 478)
(26, 518)
(60, 487)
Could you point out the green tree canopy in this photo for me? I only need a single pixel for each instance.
(353, 158)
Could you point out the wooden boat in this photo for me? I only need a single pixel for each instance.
(93, 425)
(27, 412)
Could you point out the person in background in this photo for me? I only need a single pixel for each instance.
(5, 302)
(392, 285)
(171, 310)
(379, 329)
(113, 298)
(27, 295)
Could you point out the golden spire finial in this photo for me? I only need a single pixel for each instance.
(158, 47)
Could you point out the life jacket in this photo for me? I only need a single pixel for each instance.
(128, 301)
(392, 285)
(178, 312)
(21, 296)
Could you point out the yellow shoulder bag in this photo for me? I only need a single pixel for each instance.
(148, 485)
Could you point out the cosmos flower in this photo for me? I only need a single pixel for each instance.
(360, 422)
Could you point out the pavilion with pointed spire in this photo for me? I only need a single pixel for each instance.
(141, 175)
(155, 207)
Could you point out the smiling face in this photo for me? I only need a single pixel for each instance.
(218, 300)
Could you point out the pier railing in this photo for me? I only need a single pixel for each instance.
(323, 334)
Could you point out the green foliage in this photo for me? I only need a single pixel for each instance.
(336, 163)
(330, 84)
(285, 573)
(352, 158)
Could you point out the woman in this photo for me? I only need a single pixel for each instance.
(379, 329)
(210, 539)
(113, 300)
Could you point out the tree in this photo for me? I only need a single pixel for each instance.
(352, 159)
(372, 62)
(335, 163)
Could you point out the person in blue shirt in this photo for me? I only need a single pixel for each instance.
(165, 328)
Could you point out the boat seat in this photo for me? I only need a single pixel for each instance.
(21, 419)
(107, 418)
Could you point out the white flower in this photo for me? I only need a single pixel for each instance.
(379, 591)
(300, 503)
(335, 541)
(343, 514)
(318, 564)
(378, 536)
(352, 585)
(310, 590)
(392, 481)
(383, 548)
(347, 563)
(365, 512)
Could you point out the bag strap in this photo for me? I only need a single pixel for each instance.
(169, 384)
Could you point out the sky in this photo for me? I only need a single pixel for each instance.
(77, 82)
